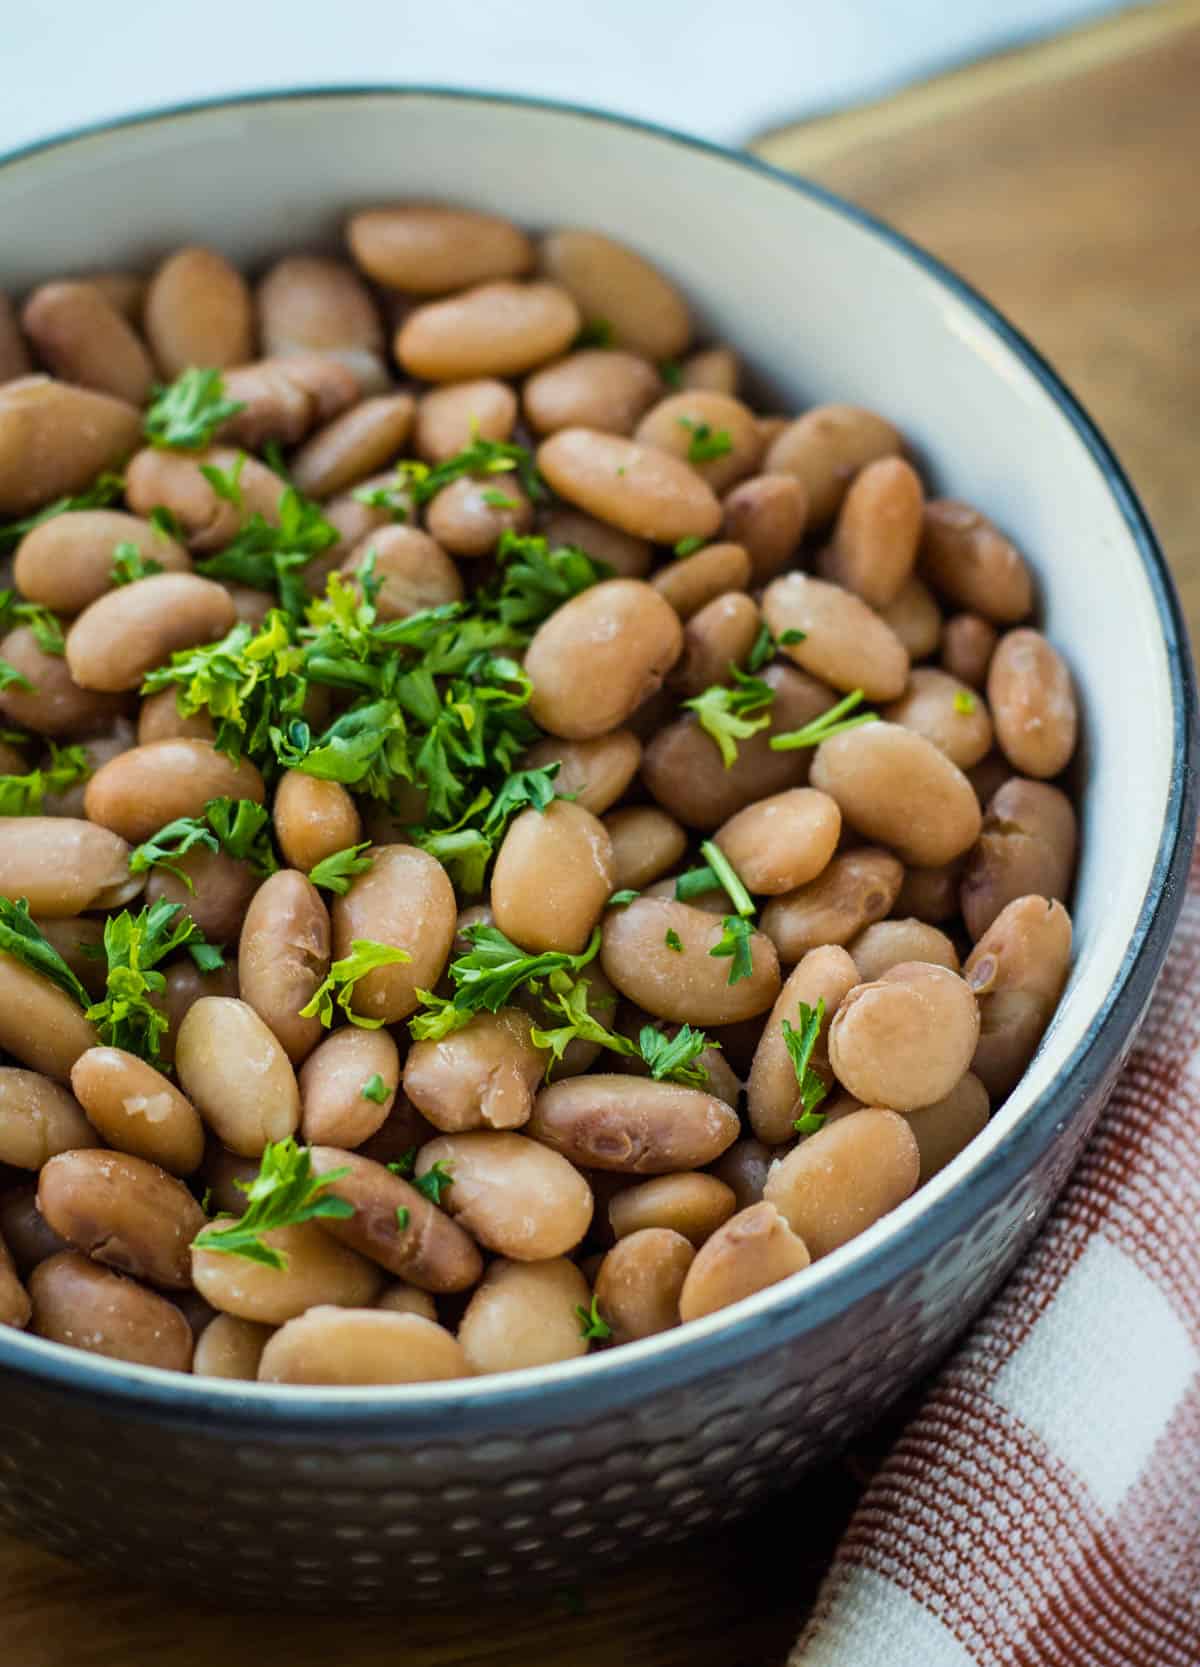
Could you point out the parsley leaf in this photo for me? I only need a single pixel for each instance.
(434, 1182)
(239, 826)
(419, 482)
(23, 795)
(129, 564)
(106, 489)
(730, 715)
(735, 942)
(284, 1193)
(166, 523)
(134, 945)
(248, 682)
(622, 899)
(364, 957)
(209, 957)
(498, 500)
(689, 546)
(830, 723)
(374, 1089)
(762, 650)
(267, 557)
(596, 332)
(706, 442)
(790, 636)
(800, 1045)
(226, 483)
(568, 998)
(403, 1217)
(187, 413)
(726, 877)
(671, 372)
(965, 702)
(535, 578)
(46, 627)
(335, 872)
(21, 939)
(405, 1163)
(466, 847)
(11, 678)
(592, 1325)
(694, 883)
(675, 1058)
(673, 940)
(487, 978)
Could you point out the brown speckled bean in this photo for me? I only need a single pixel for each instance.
(930, 894)
(159, 719)
(904, 1040)
(334, 1109)
(846, 644)
(1017, 971)
(878, 530)
(127, 632)
(40, 1024)
(1027, 846)
(766, 516)
(495, 329)
(613, 284)
(628, 557)
(309, 304)
(143, 789)
(825, 449)
(968, 643)
(887, 943)
(894, 786)
(80, 336)
(401, 1298)
(469, 517)
(516, 1196)
(138, 1110)
(856, 888)
(646, 843)
(412, 569)
(1033, 704)
(56, 438)
(689, 1203)
(755, 1249)
(744, 1168)
(524, 1314)
(825, 974)
(123, 1211)
(313, 819)
(318, 1271)
(449, 418)
(405, 899)
(633, 1125)
(86, 1306)
(284, 399)
(54, 704)
(38, 1119)
(62, 865)
(678, 422)
(637, 487)
(66, 563)
(427, 249)
(691, 985)
(234, 1070)
(596, 771)
(198, 312)
(945, 1128)
(185, 985)
(397, 1226)
(947, 712)
(354, 445)
(174, 481)
(553, 874)
(915, 618)
(337, 1346)
(483, 1076)
(639, 1282)
(29, 1237)
(715, 368)
(693, 582)
(283, 955)
(837, 1183)
(972, 564)
(782, 841)
(15, 1307)
(717, 637)
(594, 388)
(230, 1348)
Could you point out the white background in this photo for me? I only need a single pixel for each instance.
(725, 69)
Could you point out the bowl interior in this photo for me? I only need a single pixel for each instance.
(821, 306)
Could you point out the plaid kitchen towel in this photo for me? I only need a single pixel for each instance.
(1042, 1509)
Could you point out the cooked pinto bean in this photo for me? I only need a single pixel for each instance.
(56, 438)
(646, 842)
(688, 1203)
(80, 336)
(856, 888)
(639, 1282)
(66, 563)
(755, 1249)
(404, 899)
(716, 638)
(968, 643)
(895, 786)
(715, 368)
(160, 720)
(336, 1109)
(514, 1195)
(358, 1346)
(611, 283)
(397, 1226)
(971, 563)
(413, 570)
(220, 890)
(283, 955)
(946, 712)
(689, 585)
(596, 771)
(628, 557)
(61, 865)
(122, 1211)
(601, 998)
(199, 312)
(40, 1024)
(313, 819)
(1017, 971)
(689, 985)
(86, 1306)
(283, 399)
(469, 517)
(930, 894)
(496, 329)
(772, 1094)
(38, 1119)
(904, 1040)
(639, 488)
(878, 530)
(175, 481)
(594, 388)
(426, 249)
(1027, 846)
(525, 1314)
(825, 449)
(945, 1128)
(230, 1348)
(481, 1077)
(915, 618)
(29, 1237)
(354, 445)
(887, 943)
(15, 1307)
(694, 425)
(845, 643)
(138, 1110)
(79, 939)
(185, 985)
(766, 516)
(837, 1183)
(632, 1124)
(449, 418)
(309, 304)
(553, 874)
(234, 1070)
(143, 789)
(1033, 704)
(53, 704)
(783, 841)
(14, 353)
(407, 1299)
(317, 1271)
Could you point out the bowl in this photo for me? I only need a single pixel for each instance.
(383, 1497)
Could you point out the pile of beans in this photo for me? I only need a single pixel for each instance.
(907, 874)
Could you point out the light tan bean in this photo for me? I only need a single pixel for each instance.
(596, 771)
(693, 582)
(878, 530)
(766, 516)
(948, 1126)
(38, 1119)
(79, 939)
(637, 487)
(86, 1306)
(968, 643)
(1033, 704)
(230, 1348)
(406, 1299)
(915, 618)
(714, 368)
(97, 750)
(199, 312)
(124, 1212)
(633, 1125)
(354, 445)
(481, 1077)
(397, 1226)
(185, 985)
(989, 776)
(469, 517)
(601, 654)
(54, 704)
(930, 894)
(1017, 971)
(40, 1024)
(515, 1195)
(159, 719)
(639, 1282)
(335, 1111)
(15, 360)
(338, 1346)
(80, 336)
(1027, 846)
(744, 1168)
(602, 1000)
(856, 888)
(318, 1271)
(717, 637)
(845, 643)
(313, 819)
(62, 865)
(449, 418)
(825, 449)
(837, 1183)
(971, 563)
(593, 388)
(126, 291)
(56, 438)
(283, 955)
(782, 841)
(138, 1110)
(283, 399)
(904, 1040)
(15, 1306)
(525, 1314)
(691, 985)
(174, 480)
(427, 249)
(628, 557)
(311, 304)
(887, 943)
(30, 1239)
(646, 842)
(946, 712)
(66, 562)
(688, 425)
(755, 1249)
(125, 633)
(234, 1070)
(616, 286)
(894, 786)
(405, 899)
(688, 1203)
(825, 974)
(143, 789)
(495, 329)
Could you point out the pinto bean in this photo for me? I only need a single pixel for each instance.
(143, 789)
(915, 618)
(186, 984)
(968, 643)
(284, 399)
(893, 785)
(405, 899)
(904, 1040)
(310, 304)
(845, 643)
(66, 563)
(1033, 703)
(646, 842)
(138, 1110)
(599, 656)
(15, 1307)
(15, 360)
(470, 517)
(354, 445)
(681, 423)
(40, 1025)
(481, 1077)
(782, 841)
(86, 1306)
(234, 1070)
(199, 312)
(744, 1168)
(633, 1125)
(495, 329)
(38, 1119)
(397, 1226)
(772, 1094)
(596, 771)
(426, 249)
(516, 1196)
(525, 1314)
(948, 1126)
(639, 1283)
(56, 438)
(855, 888)
(1027, 846)
(639, 488)
(878, 531)
(613, 284)
(972, 564)
(826, 448)
(127, 632)
(690, 584)
(716, 638)
(930, 894)
(283, 955)
(766, 516)
(175, 481)
(318, 1271)
(837, 1183)
(230, 1348)
(755, 1249)
(687, 1203)
(54, 704)
(79, 939)
(80, 336)
(159, 719)
(62, 865)
(335, 1109)
(946, 712)
(628, 557)
(1017, 970)
(29, 1237)
(313, 819)
(691, 985)
(337, 1346)
(888, 943)
(407, 1299)
(449, 418)
(594, 388)
(124, 1212)
(714, 368)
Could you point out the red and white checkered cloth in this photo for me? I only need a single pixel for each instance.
(1042, 1509)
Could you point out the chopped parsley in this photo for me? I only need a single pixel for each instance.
(466, 847)
(762, 649)
(596, 332)
(735, 943)
(488, 976)
(130, 564)
(592, 1324)
(11, 678)
(226, 483)
(965, 702)
(665, 1057)
(46, 627)
(186, 414)
(249, 682)
(23, 795)
(239, 827)
(405, 1163)
(434, 1182)
(336, 871)
(499, 500)
(134, 945)
(671, 372)
(622, 899)
(833, 722)
(267, 557)
(673, 940)
(375, 1089)
(730, 715)
(403, 1217)
(689, 546)
(417, 483)
(284, 1193)
(20, 938)
(706, 443)
(800, 1044)
(726, 877)
(675, 1058)
(338, 986)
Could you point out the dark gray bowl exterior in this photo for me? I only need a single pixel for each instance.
(356, 1500)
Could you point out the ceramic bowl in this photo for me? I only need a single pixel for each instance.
(382, 1497)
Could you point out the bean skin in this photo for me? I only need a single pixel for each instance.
(412, 569)
(124, 1212)
(430, 1250)
(887, 943)
(236, 1073)
(483, 1076)
(1033, 704)
(644, 311)
(755, 1249)
(638, 488)
(837, 1183)
(904, 1040)
(878, 531)
(1027, 846)
(514, 1195)
(29, 1237)
(825, 974)
(223, 887)
(344, 1346)
(54, 704)
(930, 894)
(744, 1168)
(80, 336)
(159, 719)
(632, 1125)
(553, 874)
(714, 368)
(86, 1306)
(972, 564)
(968, 643)
(948, 1126)
(1017, 970)
(66, 562)
(448, 418)
(313, 819)
(334, 1109)
(39, 1023)
(766, 516)
(825, 449)
(405, 899)
(138, 1110)
(639, 1283)
(15, 1306)
(594, 388)
(894, 786)
(646, 843)
(628, 557)
(675, 424)
(720, 635)
(689, 1203)
(524, 1314)
(145, 788)
(56, 438)
(946, 712)
(845, 644)
(62, 865)
(318, 1271)
(175, 481)
(689, 986)
(312, 304)
(199, 312)
(283, 955)
(495, 329)
(185, 986)
(426, 249)
(855, 889)
(470, 517)
(406, 1299)
(692, 583)
(915, 618)
(783, 841)
(596, 771)
(230, 1348)
(38, 1119)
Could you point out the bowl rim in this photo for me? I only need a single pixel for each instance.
(567, 1391)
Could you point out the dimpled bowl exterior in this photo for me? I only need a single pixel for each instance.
(379, 1498)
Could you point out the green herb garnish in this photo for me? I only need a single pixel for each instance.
(129, 564)
(226, 483)
(46, 627)
(673, 940)
(434, 1182)
(597, 332)
(800, 1044)
(23, 795)
(11, 678)
(335, 872)
(689, 546)
(622, 899)
(419, 482)
(284, 1193)
(762, 650)
(592, 1325)
(707, 443)
(187, 413)
(134, 945)
(833, 722)
(249, 683)
(671, 372)
(735, 942)
(338, 986)
(965, 702)
(239, 827)
(726, 876)
(675, 1058)
(499, 500)
(403, 1217)
(487, 978)
(105, 490)
(374, 1089)
(21, 939)
(730, 715)
(267, 557)
(405, 1163)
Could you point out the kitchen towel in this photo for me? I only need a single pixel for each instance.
(1042, 1507)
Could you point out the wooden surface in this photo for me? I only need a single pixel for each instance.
(1063, 182)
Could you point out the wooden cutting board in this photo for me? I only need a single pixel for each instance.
(1062, 181)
